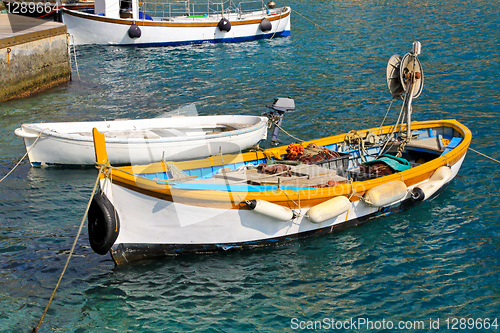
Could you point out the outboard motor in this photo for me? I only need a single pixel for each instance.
(280, 106)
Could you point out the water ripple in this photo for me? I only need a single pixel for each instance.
(439, 260)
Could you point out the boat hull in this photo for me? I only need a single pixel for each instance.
(171, 228)
(88, 28)
(47, 146)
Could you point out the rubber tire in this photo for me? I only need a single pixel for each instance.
(104, 224)
(417, 194)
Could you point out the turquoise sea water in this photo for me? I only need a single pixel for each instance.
(437, 261)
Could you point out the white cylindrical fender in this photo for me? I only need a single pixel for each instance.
(272, 210)
(440, 177)
(386, 194)
(329, 209)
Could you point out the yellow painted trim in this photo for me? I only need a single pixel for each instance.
(308, 198)
(171, 24)
(101, 154)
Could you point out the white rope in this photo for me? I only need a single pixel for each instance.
(74, 54)
(22, 158)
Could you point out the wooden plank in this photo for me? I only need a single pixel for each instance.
(312, 170)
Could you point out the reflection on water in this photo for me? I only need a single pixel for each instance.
(439, 260)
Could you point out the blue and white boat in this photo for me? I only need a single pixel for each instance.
(118, 22)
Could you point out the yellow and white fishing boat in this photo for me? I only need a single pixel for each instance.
(279, 194)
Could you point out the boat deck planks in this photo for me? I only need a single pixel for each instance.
(302, 176)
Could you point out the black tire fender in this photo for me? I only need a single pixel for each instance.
(104, 224)
(418, 194)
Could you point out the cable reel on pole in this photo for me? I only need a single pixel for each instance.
(405, 79)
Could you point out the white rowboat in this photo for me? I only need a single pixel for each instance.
(142, 141)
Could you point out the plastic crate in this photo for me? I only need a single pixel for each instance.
(340, 164)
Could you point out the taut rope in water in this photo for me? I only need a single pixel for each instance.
(310, 21)
(22, 158)
(74, 54)
(35, 329)
(491, 158)
(293, 137)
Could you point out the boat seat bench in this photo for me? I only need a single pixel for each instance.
(303, 177)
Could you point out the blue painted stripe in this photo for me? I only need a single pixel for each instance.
(452, 145)
(218, 40)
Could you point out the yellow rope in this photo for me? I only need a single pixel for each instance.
(277, 26)
(402, 146)
(310, 21)
(491, 158)
(35, 329)
(293, 137)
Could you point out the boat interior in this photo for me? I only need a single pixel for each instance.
(170, 132)
(142, 133)
(372, 157)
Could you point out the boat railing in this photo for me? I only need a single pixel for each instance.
(196, 10)
(251, 6)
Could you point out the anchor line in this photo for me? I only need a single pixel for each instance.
(22, 158)
(491, 158)
(277, 26)
(35, 329)
(290, 135)
(74, 55)
(310, 21)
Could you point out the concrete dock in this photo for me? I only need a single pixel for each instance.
(33, 55)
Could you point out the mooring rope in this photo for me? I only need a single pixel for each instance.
(383, 121)
(491, 158)
(35, 329)
(290, 135)
(277, 26)
(310, 21)
(74, 54)
(22, 158)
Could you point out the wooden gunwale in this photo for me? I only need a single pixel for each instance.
(94, 17)
(210, 198)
